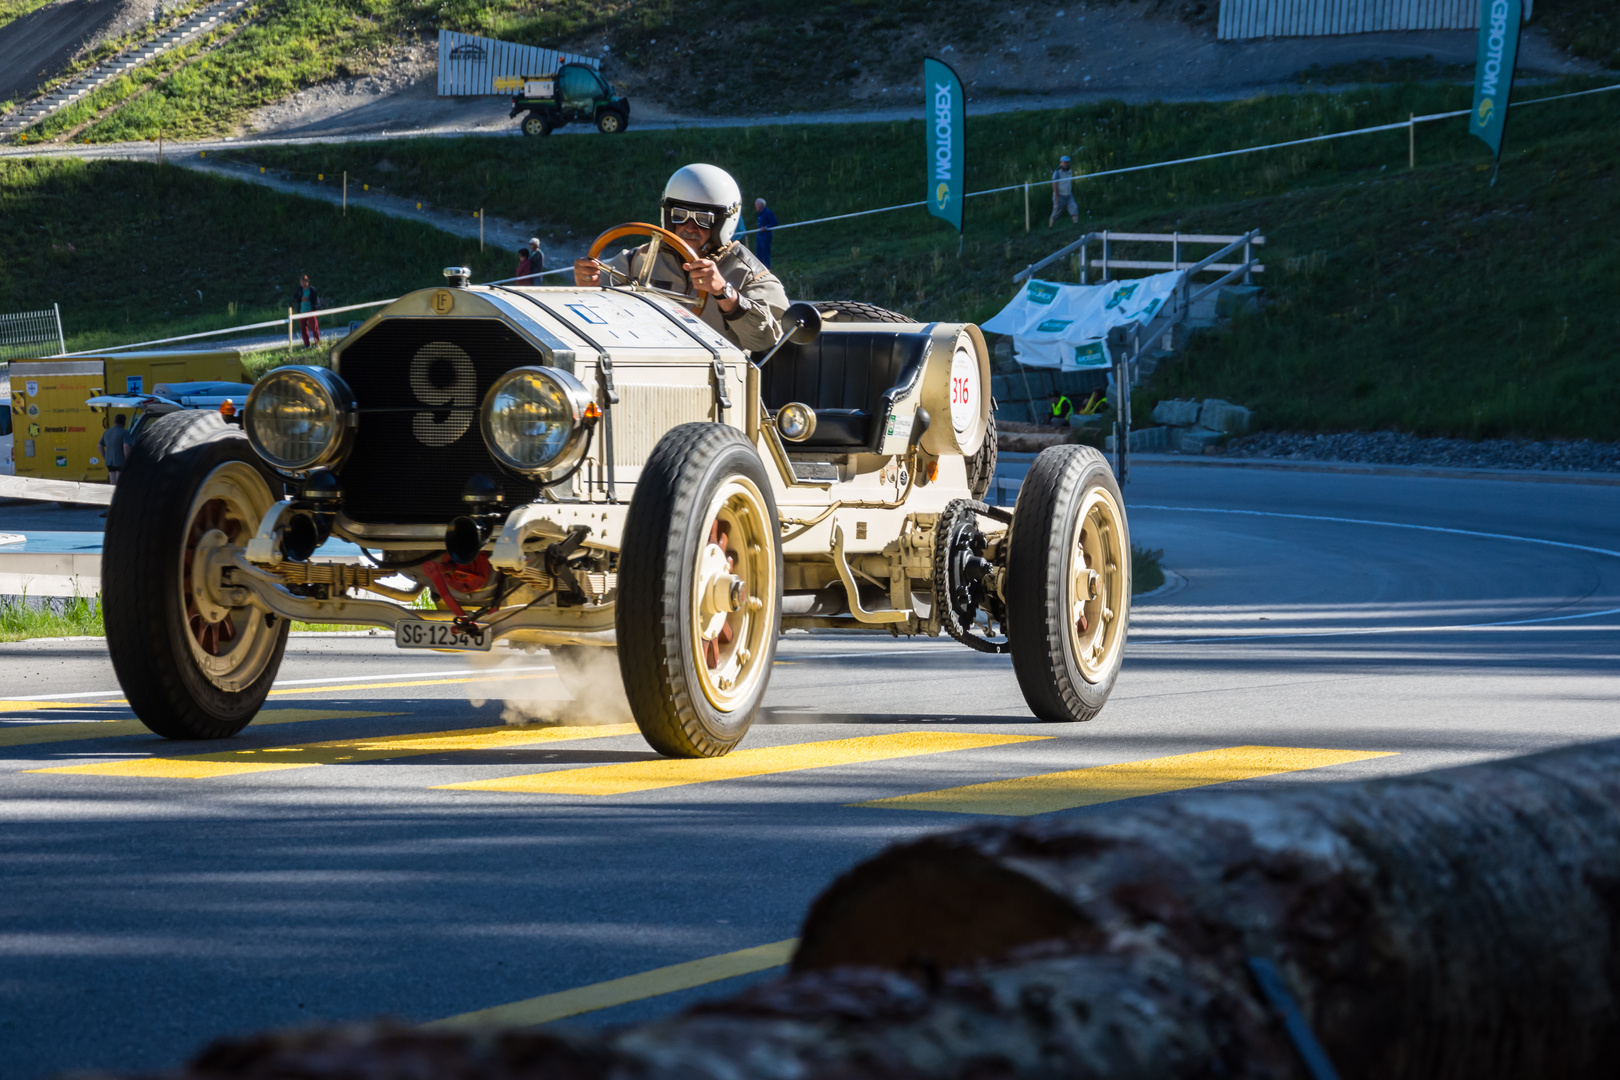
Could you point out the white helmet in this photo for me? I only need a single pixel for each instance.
(705, 187)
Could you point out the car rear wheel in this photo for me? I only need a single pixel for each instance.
(1068, 584)
(192, 666)
(611, 122)
(700, 591)
(534, 124)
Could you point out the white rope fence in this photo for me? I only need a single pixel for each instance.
(1397, 126)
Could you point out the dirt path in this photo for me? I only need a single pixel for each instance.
(34, 47)
(499, 233)
(1087, 54)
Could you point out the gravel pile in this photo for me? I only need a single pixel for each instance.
(1393, 448)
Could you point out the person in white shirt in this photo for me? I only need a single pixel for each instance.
(1063, 193)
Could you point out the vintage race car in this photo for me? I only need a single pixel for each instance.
(587, 469)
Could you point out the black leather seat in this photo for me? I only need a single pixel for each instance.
(850, 378)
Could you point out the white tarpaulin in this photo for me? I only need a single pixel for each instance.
(479, 65)
(1063, 326)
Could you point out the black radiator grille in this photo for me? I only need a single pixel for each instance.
(419, 384)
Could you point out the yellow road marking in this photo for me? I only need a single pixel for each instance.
(37, 706)
(605, 995)
(1109, 783)
(107, 729)
(634, 776)
(336, 752)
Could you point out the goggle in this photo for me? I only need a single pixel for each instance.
(704, 219)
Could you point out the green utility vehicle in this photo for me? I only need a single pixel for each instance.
(576, 93)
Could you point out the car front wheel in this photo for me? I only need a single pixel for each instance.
(191, 665)
(610, 122)
(1068, 585)
(533, 124)
(700, 591)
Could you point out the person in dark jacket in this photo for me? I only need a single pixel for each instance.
(537, 263)
(764, 223)
(304, 300)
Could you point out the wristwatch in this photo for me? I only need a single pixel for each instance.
(730, 293)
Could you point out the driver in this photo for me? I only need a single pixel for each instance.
(702, 205)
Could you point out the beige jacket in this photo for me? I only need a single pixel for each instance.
(755, 325)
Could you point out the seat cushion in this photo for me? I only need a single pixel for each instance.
(841, 427)
(843, 375)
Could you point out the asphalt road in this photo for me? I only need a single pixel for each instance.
(1432, 621)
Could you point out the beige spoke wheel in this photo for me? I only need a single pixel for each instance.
(699, 602)
(733, 591)
(1095, 585)
(192, 664)
(1068, 584)
(230, 646)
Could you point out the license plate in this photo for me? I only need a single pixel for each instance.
(426, 635)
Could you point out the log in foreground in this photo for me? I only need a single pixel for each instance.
(1463, 923)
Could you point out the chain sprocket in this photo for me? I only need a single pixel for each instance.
(960, 569)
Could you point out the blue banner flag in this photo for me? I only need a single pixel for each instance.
(946, 131)
(1493, 75)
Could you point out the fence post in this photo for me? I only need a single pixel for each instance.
(1411, 140)
(60, 340)
(1248, 259)
(289, 327)
(1175, 250)
(1085, 249)
(1105, 256)
(1026, 206)
(480, 228)
(345, 192)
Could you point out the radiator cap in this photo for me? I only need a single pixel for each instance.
(457, 276)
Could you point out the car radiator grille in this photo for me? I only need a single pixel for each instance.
(419, 385)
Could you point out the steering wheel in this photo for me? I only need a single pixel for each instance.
(660, 236)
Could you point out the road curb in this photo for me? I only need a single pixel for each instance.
(1355, 468)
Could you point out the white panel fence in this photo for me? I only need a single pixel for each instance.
(1242, 19)
(471, 65)
(25, 334)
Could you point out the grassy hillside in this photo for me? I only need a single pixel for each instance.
(133, 251)
(1423, 300)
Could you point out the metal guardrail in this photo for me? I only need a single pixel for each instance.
(1108, 262)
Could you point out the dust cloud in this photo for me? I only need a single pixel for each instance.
(584, 689)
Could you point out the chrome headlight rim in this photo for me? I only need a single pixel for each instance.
(334, 394)
(573, 447)
(795, 422)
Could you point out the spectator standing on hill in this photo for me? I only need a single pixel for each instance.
(522, 271)
(114, 447)
(764, 222)
(1063, 193)
(305, 300)
(537, 263)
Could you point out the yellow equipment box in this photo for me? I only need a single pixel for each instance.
(57, 436)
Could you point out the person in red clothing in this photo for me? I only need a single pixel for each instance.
(305, 299)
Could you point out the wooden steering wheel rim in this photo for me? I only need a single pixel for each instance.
(641, 228)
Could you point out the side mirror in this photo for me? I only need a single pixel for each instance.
(805, 321)
(801, 324)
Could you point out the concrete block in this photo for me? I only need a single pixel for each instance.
(1079, 385)
(1176, 413)
(1223, 416)
(1193, 440)
(1202, 314)
(1233, 299)
(1016, 412)
(1001, 389)
(1032, 385)
(1150, 440)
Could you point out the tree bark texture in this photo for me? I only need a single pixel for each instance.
(1454, 924)
(1463, 923)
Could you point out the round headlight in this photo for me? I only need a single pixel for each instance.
(299, 418)
(534, 421)
(796, 422)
